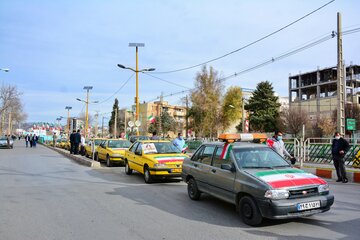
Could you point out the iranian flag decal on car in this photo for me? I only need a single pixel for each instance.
(169, 159)
(288, 178)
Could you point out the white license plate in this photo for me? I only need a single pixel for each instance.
(308, 205)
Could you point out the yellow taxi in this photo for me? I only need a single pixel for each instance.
(111, 151)
(88, 146)
(154, 158)
(63, 143)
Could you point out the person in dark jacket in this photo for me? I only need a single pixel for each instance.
(338, 150)
(77, 141)
(72, 142)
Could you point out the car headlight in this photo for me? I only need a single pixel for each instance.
(277, 194)
(323, 188)
(159, 165)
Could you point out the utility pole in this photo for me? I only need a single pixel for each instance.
(340, 80)
(96, 123)
(87, 110)
(186, 116)
(68, 121)
(243, 114)
(9, 127)
(102, 127)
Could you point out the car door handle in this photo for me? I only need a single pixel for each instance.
(213, 170)
(195, 165)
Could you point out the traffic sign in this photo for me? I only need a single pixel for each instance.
(350, 124)
(137, 123)
(130, 123)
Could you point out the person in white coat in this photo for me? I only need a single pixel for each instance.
(277, 144)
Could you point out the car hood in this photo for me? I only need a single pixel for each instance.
(118, 150)
(285, 178)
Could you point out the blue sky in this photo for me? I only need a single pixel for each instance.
(55, 48)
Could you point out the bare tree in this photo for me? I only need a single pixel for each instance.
(293, 119)
(327, 125)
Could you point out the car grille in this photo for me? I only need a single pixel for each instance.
(300, 193)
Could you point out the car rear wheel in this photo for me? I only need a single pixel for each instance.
(249, 211)
(128, 170)
(147, 175)
(108, 161)
(193, 191)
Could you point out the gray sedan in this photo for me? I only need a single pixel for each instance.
(6, 143)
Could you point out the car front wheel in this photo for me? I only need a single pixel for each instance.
(249, 211)
(147, 175)
(108, 161)
(128, 170)
(193, 191)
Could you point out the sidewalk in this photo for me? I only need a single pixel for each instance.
(77, 158)
(328, 171)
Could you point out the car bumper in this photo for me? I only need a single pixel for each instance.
(287, 208)
(166, 172)
(117, 159)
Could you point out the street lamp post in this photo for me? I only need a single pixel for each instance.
(136, 70)
(87, 88)
(68, 120)
(4, 69)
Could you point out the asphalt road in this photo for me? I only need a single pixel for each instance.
(46, 196)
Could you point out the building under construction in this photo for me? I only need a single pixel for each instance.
(316, 92)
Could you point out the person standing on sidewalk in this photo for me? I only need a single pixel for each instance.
(338, 150)
(77, 141)
(72, 142)
(27, 140)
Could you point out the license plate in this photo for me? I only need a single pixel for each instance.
(308, 205)
(177, 170)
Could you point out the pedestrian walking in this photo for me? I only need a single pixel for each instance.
(72, 142)
(179, 142)
(82, 146)
(77, 141)
(31, 140)
(27, 140)
(34, 140)
(339, 148)
(54, 139)
(277, 144)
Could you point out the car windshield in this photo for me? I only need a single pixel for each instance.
(258, 158)
(119, 144)
(159, 148)
(97, 142)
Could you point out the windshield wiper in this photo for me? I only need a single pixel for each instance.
(281, 166)
(258, 167)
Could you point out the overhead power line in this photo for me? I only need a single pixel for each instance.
(176, 84)
(121, 87)
(273, 59)
(249, 44)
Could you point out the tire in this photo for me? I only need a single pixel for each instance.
(108, 161)
(249, 211)
(193, 191)
(128, 170)
(147, 175)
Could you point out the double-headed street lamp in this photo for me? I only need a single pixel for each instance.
(87, 88)
(136, 70)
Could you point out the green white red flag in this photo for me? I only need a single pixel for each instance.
(226, 151)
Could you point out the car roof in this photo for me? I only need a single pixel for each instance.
(237, 145)
(152, 141)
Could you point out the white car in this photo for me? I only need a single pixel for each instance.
(4, 142)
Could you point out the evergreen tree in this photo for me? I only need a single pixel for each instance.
(263, 107)
(112, 119)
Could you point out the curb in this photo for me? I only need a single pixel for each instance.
(331, 173)
(77, 158)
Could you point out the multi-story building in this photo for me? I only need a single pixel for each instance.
(155, 109)
(316, 91)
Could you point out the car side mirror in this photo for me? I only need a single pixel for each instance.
(229, 167)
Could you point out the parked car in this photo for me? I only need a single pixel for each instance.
(135, 138)
(154, 159)
(4, 142)
(256, 179)
(89, 146)
(111, 151)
